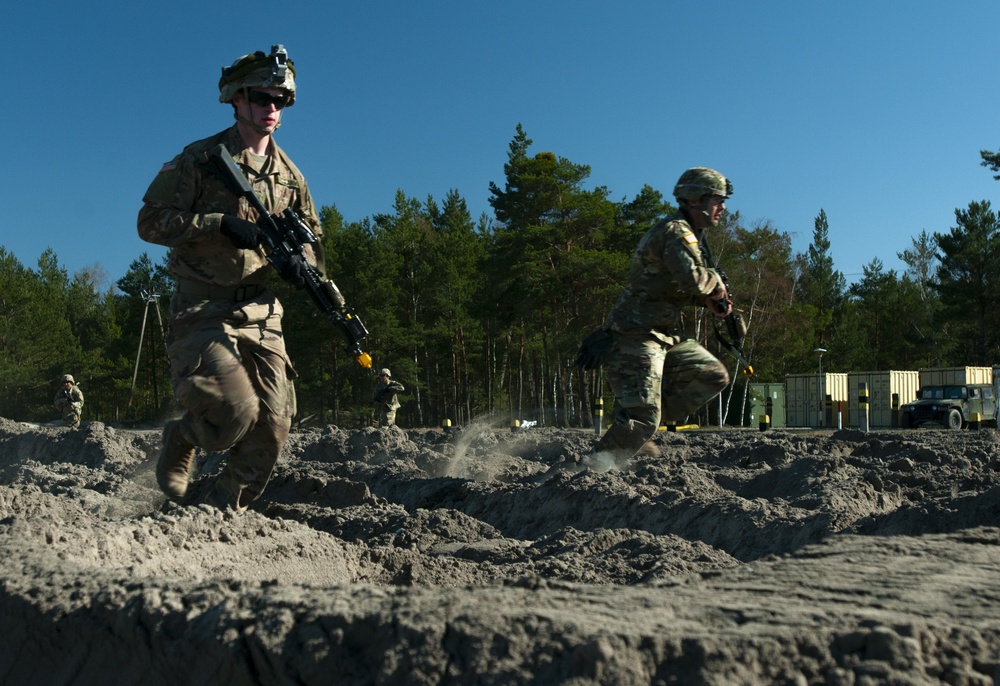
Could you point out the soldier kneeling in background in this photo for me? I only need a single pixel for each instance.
(69, 401)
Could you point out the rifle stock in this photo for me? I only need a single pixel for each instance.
(286, 235)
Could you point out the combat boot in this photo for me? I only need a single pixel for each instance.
(649, 449)
(222, 498)
(620, 441)
(173, 469)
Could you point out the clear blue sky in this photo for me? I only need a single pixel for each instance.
(874, 111)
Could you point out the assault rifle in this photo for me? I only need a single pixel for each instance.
(735, 327)
(286, 235)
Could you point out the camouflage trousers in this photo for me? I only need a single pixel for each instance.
(71, 413)
(233, 378)
(386, 415)
(647, 375)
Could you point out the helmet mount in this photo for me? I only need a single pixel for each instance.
(260, 70)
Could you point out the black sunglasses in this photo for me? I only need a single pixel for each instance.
(263, 99)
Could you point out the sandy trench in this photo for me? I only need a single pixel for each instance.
(488, 556)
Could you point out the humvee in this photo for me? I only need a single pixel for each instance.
(950, 406)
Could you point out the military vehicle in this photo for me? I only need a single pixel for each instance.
(950, 406)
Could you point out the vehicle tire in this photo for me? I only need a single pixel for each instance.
(906, 421)
(953, 420)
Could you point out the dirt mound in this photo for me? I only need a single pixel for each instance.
(495, 556)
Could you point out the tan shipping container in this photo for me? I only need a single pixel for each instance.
(955, 376)
(881, 388)
(805, 400)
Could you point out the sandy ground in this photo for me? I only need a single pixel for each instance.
(484, 556)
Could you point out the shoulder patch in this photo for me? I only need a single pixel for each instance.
(168, 166)
(690, 238)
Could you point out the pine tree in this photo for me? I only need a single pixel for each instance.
(967, 281)
(823, 287)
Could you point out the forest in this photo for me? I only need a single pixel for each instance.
(481, 318)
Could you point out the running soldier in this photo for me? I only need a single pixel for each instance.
(228, 363)
(649, 356)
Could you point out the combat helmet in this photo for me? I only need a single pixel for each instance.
(697, 182)
(68, 377)
(260, 70)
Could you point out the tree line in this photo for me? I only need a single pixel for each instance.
(481, 318)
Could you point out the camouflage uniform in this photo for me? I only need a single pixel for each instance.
(228, 363)
(69, 401)
(649, 354)
(385, 399)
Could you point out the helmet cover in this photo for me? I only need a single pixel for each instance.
(261, 71)
(701, 181)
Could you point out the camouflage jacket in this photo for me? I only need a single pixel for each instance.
(74, 396)
(668, 273)
(184, 204)
(385, 394)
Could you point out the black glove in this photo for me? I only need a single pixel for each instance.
(294, 271)
(242, 233)
(594, 349)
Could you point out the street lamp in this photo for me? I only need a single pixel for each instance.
(819, 382)
(819, 352)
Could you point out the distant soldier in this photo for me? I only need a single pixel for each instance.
(69, 401)
(384, 398)
(649, 355)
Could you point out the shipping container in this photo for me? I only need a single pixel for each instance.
(955, 376)
(886, 392)
(769, 399)
(805, 400)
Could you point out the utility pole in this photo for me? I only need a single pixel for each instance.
(154, 299)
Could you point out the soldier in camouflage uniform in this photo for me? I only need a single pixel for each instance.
(228, 363)
(69, 401)
(385, 399)
(649, 354)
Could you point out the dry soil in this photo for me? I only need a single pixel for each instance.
(487, 556)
